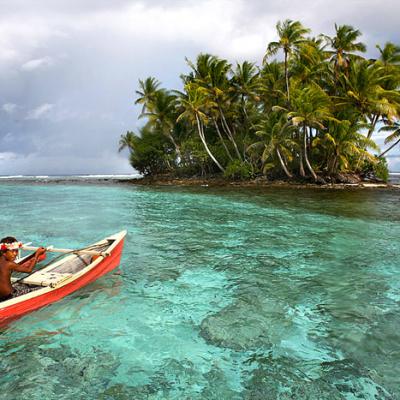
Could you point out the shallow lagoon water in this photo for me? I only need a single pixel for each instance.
(221, 294)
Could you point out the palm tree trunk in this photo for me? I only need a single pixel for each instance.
(301, 166)
(177, 149)
(203, 139)
(228, 132)
(374, 120)
(287, 77)
(168, 164)
(284, 167)
(390, 148)
(333, 164)
(306, 156)
(222, 139)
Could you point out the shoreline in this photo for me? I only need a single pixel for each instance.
(212, 182)
(260, 183)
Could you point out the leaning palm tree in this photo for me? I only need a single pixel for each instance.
(211, 74)
(311, 108)
(291, 35)
(126, 141)
(219, 89)
(193, 103)
(343, 145)
(393, 137)
(214, 79)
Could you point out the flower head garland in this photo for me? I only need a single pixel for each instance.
(10, 246)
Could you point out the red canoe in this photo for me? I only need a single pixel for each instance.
(65, 276)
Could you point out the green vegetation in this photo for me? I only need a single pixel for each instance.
(311, 116)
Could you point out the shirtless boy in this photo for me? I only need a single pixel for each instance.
(8, 253)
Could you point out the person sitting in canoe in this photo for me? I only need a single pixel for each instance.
(9, 247)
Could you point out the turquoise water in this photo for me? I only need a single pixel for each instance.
(221, 294)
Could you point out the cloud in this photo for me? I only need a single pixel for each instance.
(9, 108)
(7, 156)
(40, 112)
(37, 63)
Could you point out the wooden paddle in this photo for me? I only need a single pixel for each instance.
(68, 251)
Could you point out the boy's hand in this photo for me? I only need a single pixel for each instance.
(40, 251)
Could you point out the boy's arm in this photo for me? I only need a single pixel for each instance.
(28, 265)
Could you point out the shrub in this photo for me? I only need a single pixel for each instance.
(238, 170)
(381, 170)
(377, 169)
(151, 153)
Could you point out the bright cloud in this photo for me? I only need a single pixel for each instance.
(37, 63)
(40, 112)
(9, 108)
(7, 156)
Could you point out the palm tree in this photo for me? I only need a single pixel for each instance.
(211, 73)
(218, 88)
(389, 59)
(366, 95)
(344, 46)
(126, 141)
(389, 54)
(272, 89)
(161, 113)
(309, 62)
(311, 108)
(291, 35)
(247, 84)
(394, 137)
(201, 68)
(343, 145)
(193, 104)
(147, 92)
(276, 134)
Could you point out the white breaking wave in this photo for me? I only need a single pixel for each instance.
(11, 177)
(132, 176)
(70, 177)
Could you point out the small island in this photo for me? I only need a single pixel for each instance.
(308, 116)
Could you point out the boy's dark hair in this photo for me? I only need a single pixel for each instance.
(7, 239)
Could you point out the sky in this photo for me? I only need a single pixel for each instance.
(69, 69)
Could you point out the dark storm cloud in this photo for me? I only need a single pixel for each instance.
(69, 69)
